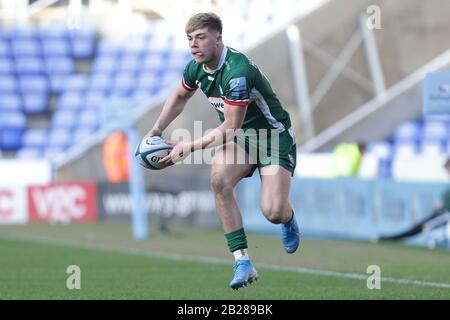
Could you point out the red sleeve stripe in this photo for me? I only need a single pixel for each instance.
(186, 86)
(241, 103)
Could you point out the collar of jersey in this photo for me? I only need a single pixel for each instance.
(221, 62)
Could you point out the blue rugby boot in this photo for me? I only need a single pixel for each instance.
(290, 234)
(244, 273)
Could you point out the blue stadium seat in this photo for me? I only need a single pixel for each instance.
(33, 84)
(100, 82)
(23, 33)
(407, 131)
(35, 103)
(76, 82)
(6, 66)
(171, 77)
(129, 63)
(52, 152)
(59, 65)
(53, 32)
(108, 49)
(60, 138)
(177, 61)
(29, 153)
(137, 45)
(123, 84)
(11, 102)
(55, 48)
(381, 149)
(106, 64)
(12, 126)
(94, 99)
(71, 100)
(89, 118)
(154, 63)
(29, 65)
(64, 119)
(35, 138)
(8, 84)
(436, 130)
(432, 147)
(405, 148)
(83, 42)
(57, 83)
(5, 50)
(25, 48)
(140, 96)
(147, 81)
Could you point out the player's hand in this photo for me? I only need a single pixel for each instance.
(154, 132)
(179, 152)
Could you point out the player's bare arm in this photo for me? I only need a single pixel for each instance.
(234, 116)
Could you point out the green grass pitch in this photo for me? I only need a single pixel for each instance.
(193, 263)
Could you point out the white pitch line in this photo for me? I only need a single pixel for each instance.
(181, 257)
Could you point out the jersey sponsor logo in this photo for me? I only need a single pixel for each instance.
(210, 78)
(217, 103)
(238, 88)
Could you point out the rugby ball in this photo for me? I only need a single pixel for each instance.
(150, 151)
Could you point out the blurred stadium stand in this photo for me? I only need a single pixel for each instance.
(54, 78)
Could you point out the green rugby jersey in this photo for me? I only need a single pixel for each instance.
(239, 82)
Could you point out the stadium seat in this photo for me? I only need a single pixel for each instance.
(89, 118)
(25, 48)
(381, 149)
(137, 45)
(129, 63)
(29, 65)
(64, 119)
(106, 64)
(94, 99)
(12, 126)
(83, 43)
(35, 138)
(108, 49)
(436, 130)
(405, 148)
(407, 131)
(33, 84)
(140, 96)
(35, 103)
(76, 82)
(23, 33)
(154, 63)
(71, 100)
(6, 66)
(123, 84)
(10, 102)
(432, 147)
(5, 50)
(59, 65)
(57, 83)
(52, 32)
(60, 138)
(100, 82)
(29, 153)
(52, 152)
(56, 48)
(8, 84)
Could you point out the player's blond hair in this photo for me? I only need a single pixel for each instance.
(204, 20)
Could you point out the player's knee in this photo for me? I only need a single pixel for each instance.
(274, 211)
(221, 185)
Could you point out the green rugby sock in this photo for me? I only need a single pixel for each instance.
(236, 240)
